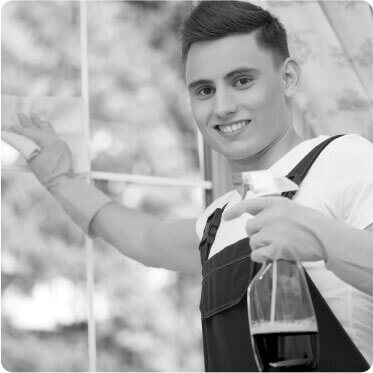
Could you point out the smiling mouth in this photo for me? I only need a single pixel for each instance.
(233, 127)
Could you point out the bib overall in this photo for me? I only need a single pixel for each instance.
(226, 277)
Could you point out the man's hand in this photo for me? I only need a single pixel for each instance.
(54, 162)
(280, 229)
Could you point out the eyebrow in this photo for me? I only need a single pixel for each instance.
(199, 82)
(240, 70)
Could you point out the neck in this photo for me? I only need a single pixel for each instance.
(270, 154)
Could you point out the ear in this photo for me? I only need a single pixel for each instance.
(291, 76)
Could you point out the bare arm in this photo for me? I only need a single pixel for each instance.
(350, 253)
(284, 229)
(170, 244)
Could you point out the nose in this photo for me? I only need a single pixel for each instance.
(225, 104)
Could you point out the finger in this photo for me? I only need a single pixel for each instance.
(39, 122)
(23, 119)
(255, 224)
(259, 240)
(31, 133)
(265, 253)
(252, 206)
(273, 251)
(288, 254)
(35, 119)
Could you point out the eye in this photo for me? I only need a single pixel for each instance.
(205, 92)
(243, 82)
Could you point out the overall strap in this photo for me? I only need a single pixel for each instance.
(209, 233)
(299, 172)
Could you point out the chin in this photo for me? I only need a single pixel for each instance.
(238, 154)
(235, 156)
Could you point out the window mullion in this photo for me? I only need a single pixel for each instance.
(88, 241)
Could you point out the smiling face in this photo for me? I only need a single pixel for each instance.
(238, 96)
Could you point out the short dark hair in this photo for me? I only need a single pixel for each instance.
(211, 20)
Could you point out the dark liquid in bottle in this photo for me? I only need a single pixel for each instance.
(287, 351)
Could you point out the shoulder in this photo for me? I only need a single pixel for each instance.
(217, 203)
(347, 147)
(347, 157)
(344, 177)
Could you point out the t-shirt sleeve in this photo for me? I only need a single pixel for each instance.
(354, 192)
(356, 203)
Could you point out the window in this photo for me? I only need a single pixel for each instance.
(144, 153)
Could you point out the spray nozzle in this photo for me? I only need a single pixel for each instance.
(263, 183)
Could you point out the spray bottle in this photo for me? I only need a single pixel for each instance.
(283, 326)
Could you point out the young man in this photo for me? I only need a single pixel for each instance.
(241, 80)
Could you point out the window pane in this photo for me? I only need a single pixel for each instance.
(140, 115)
(44, 319)
(40, 57)
(40, 48)
(44, 326)
(150, 319)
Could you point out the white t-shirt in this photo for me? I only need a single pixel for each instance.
(339, 184)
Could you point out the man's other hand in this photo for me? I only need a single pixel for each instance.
(280, 229)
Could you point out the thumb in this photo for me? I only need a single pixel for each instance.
(264, 253)
(252, 206)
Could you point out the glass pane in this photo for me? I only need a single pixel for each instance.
(40, 48)
(140, 115)
(149, 318)
(44, 325)
(41, 58)
(44, 319)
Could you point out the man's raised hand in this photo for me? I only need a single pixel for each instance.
(54, 162)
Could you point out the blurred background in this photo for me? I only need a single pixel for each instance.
(146, 319)
(140, 124)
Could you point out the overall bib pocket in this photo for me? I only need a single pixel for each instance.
(223, 306)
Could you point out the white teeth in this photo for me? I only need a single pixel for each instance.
(234, 127)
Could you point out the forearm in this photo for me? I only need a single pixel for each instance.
(98, 215)
(170, 244)
(128, 230)
(349, 252)
(143, 237)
